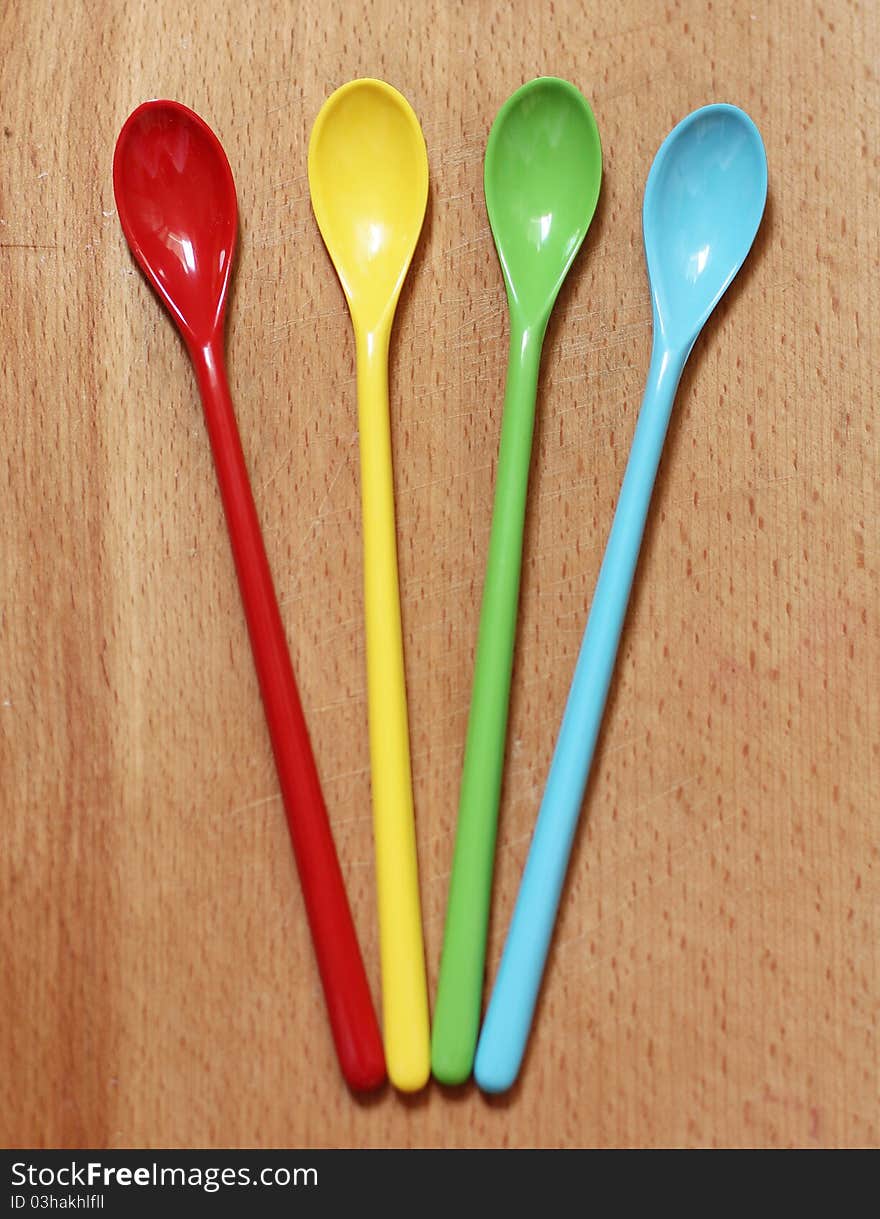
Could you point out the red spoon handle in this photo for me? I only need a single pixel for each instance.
(350, 1005)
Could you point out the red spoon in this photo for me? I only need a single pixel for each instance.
(176, 201)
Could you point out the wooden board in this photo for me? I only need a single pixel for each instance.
(715, 975)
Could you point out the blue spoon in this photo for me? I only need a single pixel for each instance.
(704, 200)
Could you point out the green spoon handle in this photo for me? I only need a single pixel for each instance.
(460, 986)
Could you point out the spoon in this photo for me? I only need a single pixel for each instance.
(704, 200)
(177, 206)
(542, 176)
(368, 177)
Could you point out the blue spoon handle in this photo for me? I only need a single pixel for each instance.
(509, 1017)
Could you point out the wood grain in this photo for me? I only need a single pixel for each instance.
(715, 975)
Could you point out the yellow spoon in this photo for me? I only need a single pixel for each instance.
(368, 177)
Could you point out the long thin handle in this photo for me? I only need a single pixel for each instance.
(460, 986)
(404, 984)
(350, 1006)
(509, 1017)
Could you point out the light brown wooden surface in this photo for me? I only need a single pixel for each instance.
(715, 975)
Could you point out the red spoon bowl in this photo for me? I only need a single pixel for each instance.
(176, 201)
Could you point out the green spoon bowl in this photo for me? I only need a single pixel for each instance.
(543, 172)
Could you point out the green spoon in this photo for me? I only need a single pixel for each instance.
(542, 177)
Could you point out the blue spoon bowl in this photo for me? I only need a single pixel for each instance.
(704, 200)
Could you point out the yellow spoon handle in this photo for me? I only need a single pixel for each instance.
(404, 985)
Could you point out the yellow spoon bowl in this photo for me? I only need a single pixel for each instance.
(368, 178)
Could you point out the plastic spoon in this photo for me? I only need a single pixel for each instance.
(368, 177)
(542, 177)
(176, 201)
(704, 200)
